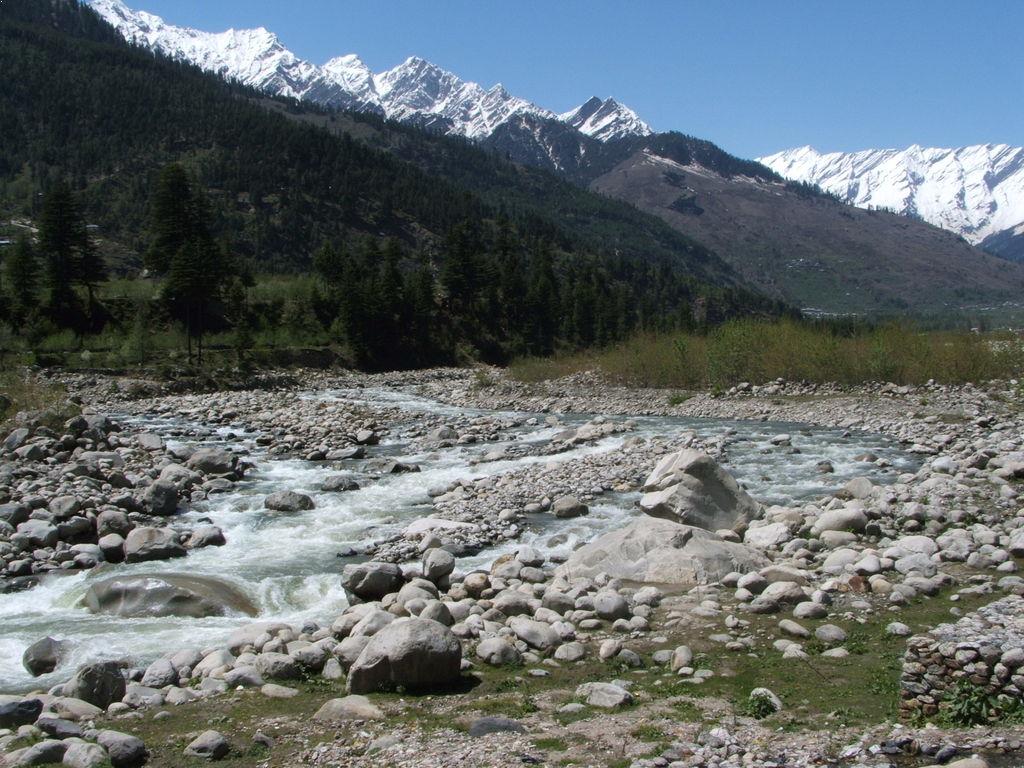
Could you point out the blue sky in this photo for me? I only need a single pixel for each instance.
(751, 76)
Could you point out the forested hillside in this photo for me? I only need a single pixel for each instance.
(505, 258)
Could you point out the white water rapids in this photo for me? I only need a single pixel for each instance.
(288, 564)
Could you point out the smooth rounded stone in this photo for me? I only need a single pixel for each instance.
(82, 754)
(691, 488)
(160, 498)
(483, 726)
(137, 696)
(413, 653)
(653, 551)
(918, 563)
(124, 750)
(835, 653)
(45, 752)
(848, 519)
(348, 650)
(373, 621)
(176, 696)
(611, 605)
(277, 666)
(435, 610)
(604, 695)
(213, 461)
(438, 564)
(160, 673)
(249, 634)
(629, 658)
(209, 745)
(767, 536)
(681, 657)
(274, 691)
(810, 610)
(244, 676)
(288, 501)
(20, 712)
(206, 536)
(530, 557)
(648, 596)
(339, 484)
(899, 629)
(112, 547)
(536, 634)
(352, 707)
(371, 580)
(217, 659)
(311, 657)
(859, 488)
(144, 544)
(924, 545)
(99, 684)
(332, 670)
(58, 727)
(791, 628)
(569, 506)
(570, 652)
(167, 594)
(784, 592)
(73, 709)
(609, 649)
(37, 533)
(43, 656)
(830, 634)
(497, 651)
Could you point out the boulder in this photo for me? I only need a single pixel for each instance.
(690, 487)
(371, 580)
(167, 594)
(536, 634)
(99, 684)
(144, 544)
(413, 653)
(125, 751)
(160, 498)
(209, 745)
(348, 708)
(288, 501)
(656, 551)
(82, 754)
(213, 461)
(43, 656)
(604, 695)
(569, 506)
(498, 652)
(19, 712)
(437, 564)
(339, 483)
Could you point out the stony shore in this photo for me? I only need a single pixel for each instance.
(643, 648)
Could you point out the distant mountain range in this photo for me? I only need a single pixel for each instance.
(415, 90)
(976, 191)
(789, 240)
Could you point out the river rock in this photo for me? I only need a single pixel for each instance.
(288, 501)
(167, 594)
(690, 487)
(604, 695)
(143, 544)
(99, 684)
(82, 754)
(413, 653)
(371, 580)
(353, 707)
(213, 461)
(209, 745)
(661, 552)
(125, 751)
(43, 656)
(160, 498)
(21, 712)
(569, 506)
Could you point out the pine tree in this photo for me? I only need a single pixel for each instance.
(171, 218)
(63, 242)
(21, 273)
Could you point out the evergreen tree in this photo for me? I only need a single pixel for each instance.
(171, 218)
(64, 244)
(21, 273)
(329, 264)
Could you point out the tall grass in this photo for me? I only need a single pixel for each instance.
(758, 351)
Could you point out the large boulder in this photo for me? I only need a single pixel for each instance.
(143, 544)
(288, 501)
(213, 461)
(167, 594)
(42, 657)
(160, 498)
(371, 580)
(412, 653)
(99, 684)
(656, 551)
(690, 487)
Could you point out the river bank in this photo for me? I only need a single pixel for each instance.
(481, 467)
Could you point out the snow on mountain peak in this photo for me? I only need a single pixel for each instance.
(414, 90)
(976, 191)
(605, 120)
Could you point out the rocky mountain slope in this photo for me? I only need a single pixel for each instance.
(415, 91)
(976, 191)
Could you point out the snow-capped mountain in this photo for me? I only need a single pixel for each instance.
(415, 90)
(975, 191)
(604, 120)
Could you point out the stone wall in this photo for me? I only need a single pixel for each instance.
(985, 647)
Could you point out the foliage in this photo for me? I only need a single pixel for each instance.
(758, 705)
(759, 351)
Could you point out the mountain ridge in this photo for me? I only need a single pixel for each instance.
(416, 90)
(975, 191)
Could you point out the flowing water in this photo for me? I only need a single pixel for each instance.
(288, 563)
